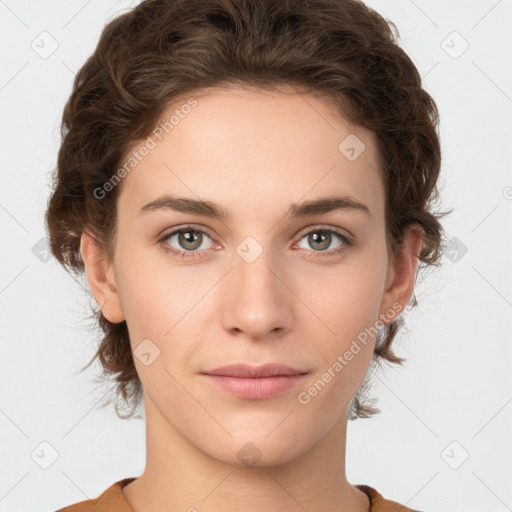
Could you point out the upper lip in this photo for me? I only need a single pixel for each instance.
(245, 370)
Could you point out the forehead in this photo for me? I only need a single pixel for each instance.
(249, 149)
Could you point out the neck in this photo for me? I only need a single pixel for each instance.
(179, 476)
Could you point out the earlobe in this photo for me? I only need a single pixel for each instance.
(402, 271)
(101, 278)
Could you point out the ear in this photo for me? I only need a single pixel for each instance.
(101, 278)
(402, 271)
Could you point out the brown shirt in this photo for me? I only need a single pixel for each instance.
(113, 500)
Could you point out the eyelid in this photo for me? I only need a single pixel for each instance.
(321, 227)
(172, 231)
(324, 227)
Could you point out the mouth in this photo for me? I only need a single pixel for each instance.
(246, 370)
(255, 382)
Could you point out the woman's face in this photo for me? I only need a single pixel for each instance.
(271, 282)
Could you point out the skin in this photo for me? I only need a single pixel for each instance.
(255, 153)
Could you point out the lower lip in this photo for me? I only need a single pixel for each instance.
(256, 388)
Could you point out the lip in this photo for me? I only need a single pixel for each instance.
(255, 382)
(246, 370)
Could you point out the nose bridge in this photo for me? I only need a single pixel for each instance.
(253, 264)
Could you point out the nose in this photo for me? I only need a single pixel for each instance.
(256, 299)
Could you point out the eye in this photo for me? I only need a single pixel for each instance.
(188, 241)
(321, 238)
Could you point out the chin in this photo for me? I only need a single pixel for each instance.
(256, 450)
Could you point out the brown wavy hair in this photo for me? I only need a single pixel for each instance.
(164, 50)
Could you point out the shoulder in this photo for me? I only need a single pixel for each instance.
(380, 504)
(110, 500)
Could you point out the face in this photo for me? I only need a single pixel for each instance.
(267, 283)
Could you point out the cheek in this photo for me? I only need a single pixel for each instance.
(349, 307)
(347, 300)
(163, 304)
(158, 306)
(151, 292)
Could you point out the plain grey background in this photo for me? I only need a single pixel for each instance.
(441, 441)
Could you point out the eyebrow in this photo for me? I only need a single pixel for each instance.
(216, 211)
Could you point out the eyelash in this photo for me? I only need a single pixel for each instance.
(347, 242)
